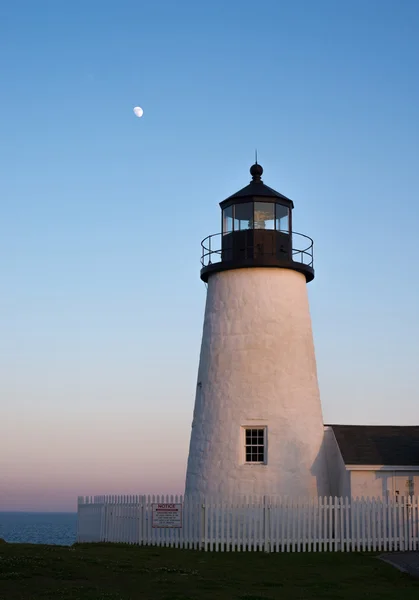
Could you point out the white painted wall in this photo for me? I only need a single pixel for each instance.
(339, 477)
(257, 367)
(369, 483)
(378, 483)
(406, 483)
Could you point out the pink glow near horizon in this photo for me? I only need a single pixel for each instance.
(46, 468)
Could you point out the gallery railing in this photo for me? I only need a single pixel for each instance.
(213, 249)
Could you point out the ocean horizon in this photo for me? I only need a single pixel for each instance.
(24, 527)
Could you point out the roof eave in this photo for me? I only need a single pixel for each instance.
(351, 467)
(254, 190)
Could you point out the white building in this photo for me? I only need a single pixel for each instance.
(257, 425)
(375, 461)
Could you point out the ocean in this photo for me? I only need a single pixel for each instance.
(38, 528)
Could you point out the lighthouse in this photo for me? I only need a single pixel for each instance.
(257, 424)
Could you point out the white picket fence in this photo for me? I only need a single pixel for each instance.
(266, 523)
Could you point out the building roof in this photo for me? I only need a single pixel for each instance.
(388, 445)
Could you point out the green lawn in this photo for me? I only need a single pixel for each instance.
(105, 571)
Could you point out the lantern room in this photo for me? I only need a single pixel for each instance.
(256, 231)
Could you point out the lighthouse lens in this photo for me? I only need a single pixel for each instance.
(264, 215)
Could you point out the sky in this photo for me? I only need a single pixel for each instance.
(102, 215)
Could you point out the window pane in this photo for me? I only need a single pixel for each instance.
(255, 445)
(282, 218)
(228, 219)
(264, 215)
(243, 216)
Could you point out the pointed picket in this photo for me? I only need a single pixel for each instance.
(338, 525)
(347, 531)
(380, 524)
(394, 525)
(330, 527)
(368, 523)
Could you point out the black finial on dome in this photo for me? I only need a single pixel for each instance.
(256, 172)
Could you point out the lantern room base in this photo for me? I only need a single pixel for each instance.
(270, 262)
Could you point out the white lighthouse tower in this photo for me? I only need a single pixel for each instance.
(257, 425)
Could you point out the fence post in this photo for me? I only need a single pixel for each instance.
(80, 501)
(106, 528)
(202, 526)
(142, 521)
(266, 525)
(102, 535)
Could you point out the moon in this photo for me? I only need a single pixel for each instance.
(138, 111)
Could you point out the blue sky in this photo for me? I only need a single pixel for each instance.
(102, 215)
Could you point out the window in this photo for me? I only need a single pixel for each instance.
(264, 215)
(255, 445)
(243, 216)
(228, 219)
(282, 218)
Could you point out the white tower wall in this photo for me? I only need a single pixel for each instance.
(257, 368)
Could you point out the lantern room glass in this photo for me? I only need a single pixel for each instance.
(256, 215)
(282, 218)
(228, 219)
(243, 216)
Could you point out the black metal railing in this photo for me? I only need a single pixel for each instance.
(213, 249)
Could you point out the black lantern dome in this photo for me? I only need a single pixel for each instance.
(257, 232)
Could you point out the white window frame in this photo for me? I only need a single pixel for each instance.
(265, 445)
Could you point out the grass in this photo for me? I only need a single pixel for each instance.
(111, 572)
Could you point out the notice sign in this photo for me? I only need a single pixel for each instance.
(166, 515)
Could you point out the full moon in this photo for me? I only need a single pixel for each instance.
(138, 111)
